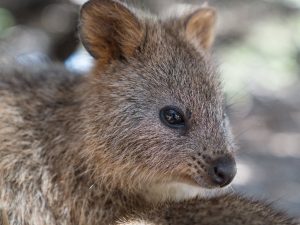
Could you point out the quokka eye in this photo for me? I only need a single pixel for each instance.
(172, 117)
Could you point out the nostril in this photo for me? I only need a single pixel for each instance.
(223, 171)
(219, 174)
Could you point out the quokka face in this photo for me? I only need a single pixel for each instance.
(154, 102)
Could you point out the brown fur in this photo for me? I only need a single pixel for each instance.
(109, 30)
(200, 27)
(89, 150)
(3, 218)
(225, 210)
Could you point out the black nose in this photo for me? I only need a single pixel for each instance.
(223, 171)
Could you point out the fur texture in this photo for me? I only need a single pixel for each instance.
(225, 210)
(91, 150)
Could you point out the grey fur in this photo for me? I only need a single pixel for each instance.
(85, 150)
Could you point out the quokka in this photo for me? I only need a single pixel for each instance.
(143, 137)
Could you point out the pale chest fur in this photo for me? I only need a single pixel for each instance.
(176, 191)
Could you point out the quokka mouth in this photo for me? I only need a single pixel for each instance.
(218, 173)
(195, 180)
(181, 190)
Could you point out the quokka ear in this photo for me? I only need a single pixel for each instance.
(109, 30)
(200, 27)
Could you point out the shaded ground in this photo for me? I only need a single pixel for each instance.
(269, 157)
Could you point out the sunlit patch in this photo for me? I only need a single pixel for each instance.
(79, 62)
(244, 174)
(135, 222)
(285, 144)
(79, 2)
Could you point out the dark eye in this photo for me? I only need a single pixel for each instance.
(172, 117)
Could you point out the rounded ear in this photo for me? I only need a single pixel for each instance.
(109, 30)
(200, 27)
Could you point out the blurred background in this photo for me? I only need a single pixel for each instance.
(258, 49)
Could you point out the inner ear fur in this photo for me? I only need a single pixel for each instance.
(200, 27)
(109, 30)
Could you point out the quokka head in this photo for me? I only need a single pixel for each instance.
(154, 104)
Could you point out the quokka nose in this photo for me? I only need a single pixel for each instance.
(223, 171)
